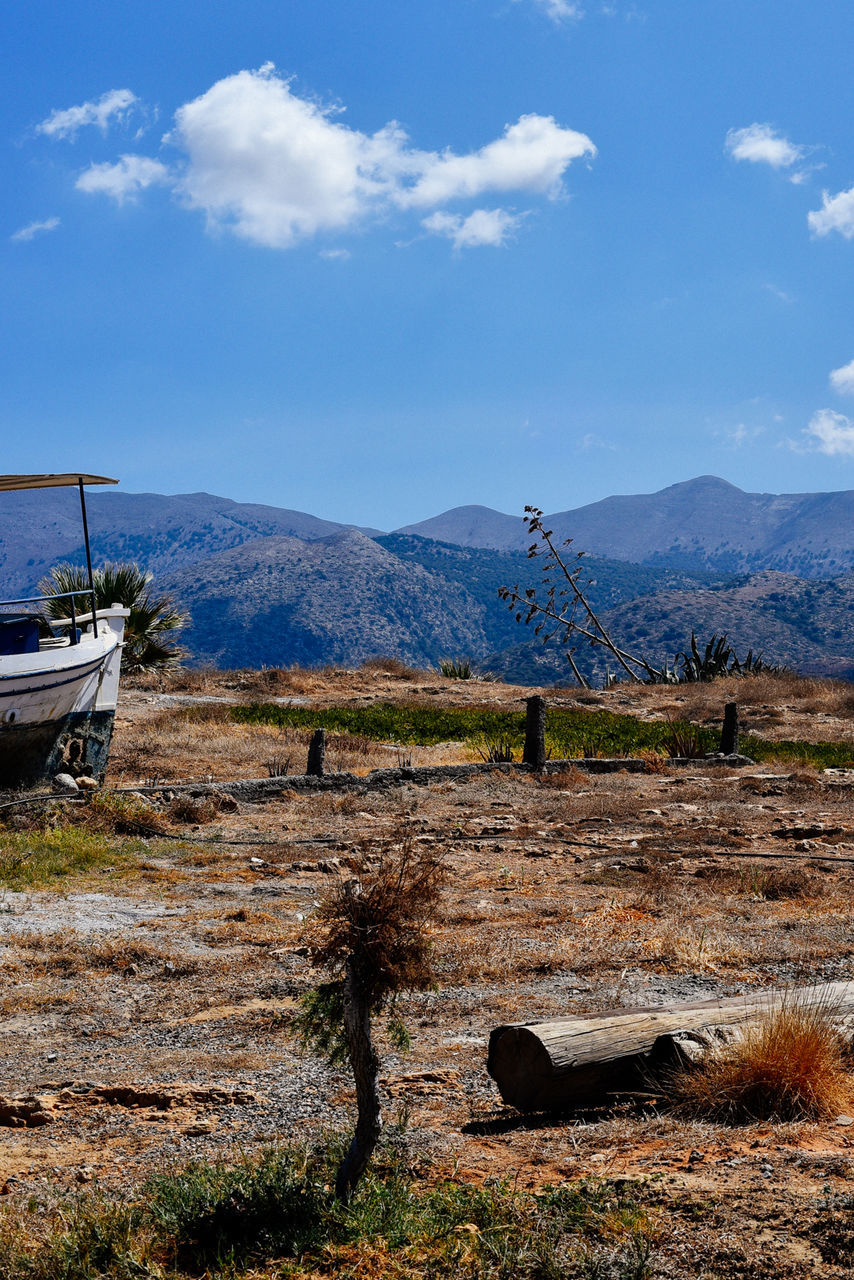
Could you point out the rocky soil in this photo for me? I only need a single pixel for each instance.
(147, 997)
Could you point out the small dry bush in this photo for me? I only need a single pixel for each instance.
(791, 1065)
(802, 782)
(109, 814)
(782, 883)
(653, 761)
(391, 667)
(571, 779)
(192, 809)
(378, 921)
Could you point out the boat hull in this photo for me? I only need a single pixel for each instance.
(57, 706)
(77, 743)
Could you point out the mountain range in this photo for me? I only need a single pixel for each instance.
(269, 586)
(703, 523)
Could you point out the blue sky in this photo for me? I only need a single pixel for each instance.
(375, 261)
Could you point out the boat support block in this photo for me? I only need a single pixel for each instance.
(78, 744)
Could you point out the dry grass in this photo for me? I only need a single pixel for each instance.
(201, 742)
(67, 953)
(777, 706)
(391, 667)
(791, 1065)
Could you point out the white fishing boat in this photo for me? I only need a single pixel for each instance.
(59, 679)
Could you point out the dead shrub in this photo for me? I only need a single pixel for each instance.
(570, 779)
(391, 667)
(379, 920)
(790, 1065)
(653, 761)
(109, 814)
(662, 884)
(192, 809)
(782, 883)
(801, 781)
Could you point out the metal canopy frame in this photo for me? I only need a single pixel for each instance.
(59, 480)
(56, 480)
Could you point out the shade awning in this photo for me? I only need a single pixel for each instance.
(52, 481)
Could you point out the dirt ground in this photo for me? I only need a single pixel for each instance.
(146, 999)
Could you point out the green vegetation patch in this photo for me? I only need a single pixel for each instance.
(276, 1215)
(570, 733)
(38, 859)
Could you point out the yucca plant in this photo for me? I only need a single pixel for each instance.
(456, 668)
(153, 619)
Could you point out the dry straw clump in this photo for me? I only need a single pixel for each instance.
(790, 1065)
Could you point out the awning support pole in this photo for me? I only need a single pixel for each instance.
(88, 556)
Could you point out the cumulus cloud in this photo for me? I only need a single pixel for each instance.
(275, 168)
(125, 179)
(836, 214)
(113, 105)
(532, 155)
(843, 379)
(483, 227)
(761, 144)
(34, 229)
(830, 433)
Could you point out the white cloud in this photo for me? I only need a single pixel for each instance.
(836, 214)
(335, 255)
(532, 155)
(112, 105)
(34, 229)
(593, 441)
(275, 168)
(737, 437)
(843, 379)
(559, 10)
(123, 180)
(760, 144)
(483, 227)
(830, 433)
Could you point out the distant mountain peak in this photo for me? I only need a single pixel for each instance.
(703, 482)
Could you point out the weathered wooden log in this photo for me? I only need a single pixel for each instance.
(549, 1066)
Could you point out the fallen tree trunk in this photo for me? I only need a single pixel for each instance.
(549, 1066)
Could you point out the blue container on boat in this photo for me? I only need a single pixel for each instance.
(19, 633)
